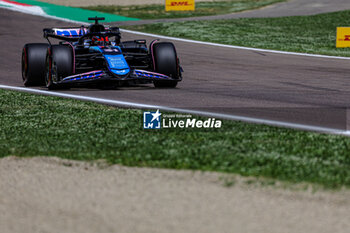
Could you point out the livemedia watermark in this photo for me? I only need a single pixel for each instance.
(157, 120)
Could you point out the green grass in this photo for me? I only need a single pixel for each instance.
(32, 125)
(202, 9)
(309, 34)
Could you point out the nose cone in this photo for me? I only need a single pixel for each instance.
(117, 64)
(121, 71)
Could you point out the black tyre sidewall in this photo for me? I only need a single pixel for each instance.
(165, 62)
(33, 64)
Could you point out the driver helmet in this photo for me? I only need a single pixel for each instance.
(99, 40)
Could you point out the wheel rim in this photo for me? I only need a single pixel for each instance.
(48, 76)
(53, 72)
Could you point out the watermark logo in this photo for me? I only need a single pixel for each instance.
(151, 120)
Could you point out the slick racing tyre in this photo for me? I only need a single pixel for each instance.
(33, 64)
(59, 64)
(165, 62)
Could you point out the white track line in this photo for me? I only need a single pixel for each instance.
(181, 110)
(189, 41)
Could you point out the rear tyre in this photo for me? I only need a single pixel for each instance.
(33, 64)
(59, 64)
(165, 62)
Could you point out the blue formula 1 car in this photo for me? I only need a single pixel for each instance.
(95, 54)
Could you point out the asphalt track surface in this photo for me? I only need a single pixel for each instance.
(299, 89)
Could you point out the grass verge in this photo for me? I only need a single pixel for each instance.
(202, 9)
(32, 125)
(308, 34)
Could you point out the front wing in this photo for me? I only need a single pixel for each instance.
(101, 75)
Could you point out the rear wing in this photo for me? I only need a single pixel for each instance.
(74, 33)
(68, 34)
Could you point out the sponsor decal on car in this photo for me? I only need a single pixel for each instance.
(73, 32)
(157, 120)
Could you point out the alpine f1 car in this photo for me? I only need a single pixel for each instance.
(95, 54)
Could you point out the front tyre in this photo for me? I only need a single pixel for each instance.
(165, 62)
(33, 64)
(59, 64)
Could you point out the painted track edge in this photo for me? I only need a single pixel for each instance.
(182, 110)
